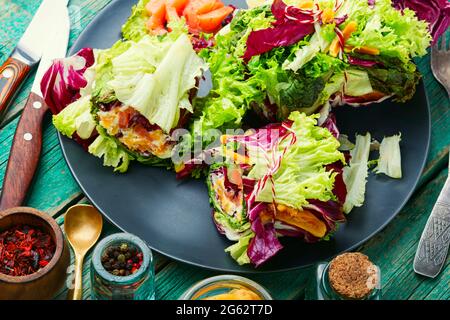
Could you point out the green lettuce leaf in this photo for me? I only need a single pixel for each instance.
(400, 83)
(335, 84)
(357, 83)
(234, 221)
(297, 93)
(232, 228)
(302, 174)
(239, 250)
(232, 91)
(76, 117)
(395, 33)
(112, 153)
(155, 76)
(288, 90)
(355, 175)
(103, 69)
(390, 162)
(304, 54)
(134, 28)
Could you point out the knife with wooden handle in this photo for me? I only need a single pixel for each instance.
(25, 152)
(434, 243)
(27, 142)
(27, 53)
(12, 74)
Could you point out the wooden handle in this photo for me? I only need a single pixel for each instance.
(12, 74)
(25, 152)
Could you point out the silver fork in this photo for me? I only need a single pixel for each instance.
(435, 240)
(440, 63)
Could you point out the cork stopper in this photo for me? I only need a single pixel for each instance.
(352, 275)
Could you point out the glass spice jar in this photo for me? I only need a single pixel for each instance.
(139, 285)
(353, 277)
(225, 285)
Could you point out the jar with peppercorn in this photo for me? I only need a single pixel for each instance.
(122, 269)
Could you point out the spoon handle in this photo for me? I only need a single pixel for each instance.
(77, 292)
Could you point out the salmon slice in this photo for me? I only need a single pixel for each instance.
(156, 26)
(157, 11)
(197, 7)
(156, 8)
(212, 21)
(209, 6)
(179, 5)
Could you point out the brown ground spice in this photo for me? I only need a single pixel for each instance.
(352, 275)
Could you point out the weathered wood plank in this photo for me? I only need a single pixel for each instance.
(433, 289)
(442, 291)
(15, 16)
(440, 119)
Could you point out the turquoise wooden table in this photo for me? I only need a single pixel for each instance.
(393, 249)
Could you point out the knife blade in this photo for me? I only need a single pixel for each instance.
(28, 51)
(27, 142)
(435, 240)
(56, 48)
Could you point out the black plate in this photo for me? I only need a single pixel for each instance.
(174, 217)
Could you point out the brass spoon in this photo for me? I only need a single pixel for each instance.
(83, 226)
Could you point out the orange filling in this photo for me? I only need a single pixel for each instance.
(229, 202)
(302, 219)
(236, 157)
(346, 33)
(134, 137)
(141, 140)
(364, 50)
(236, 294)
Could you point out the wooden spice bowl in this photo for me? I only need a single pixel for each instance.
(47, 281)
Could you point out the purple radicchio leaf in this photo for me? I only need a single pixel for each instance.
(265, 244)
(61, 83)
(330, 124)
(361, 62)
(291, 26)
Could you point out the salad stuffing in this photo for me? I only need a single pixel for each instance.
(280, 67)
(289, 182)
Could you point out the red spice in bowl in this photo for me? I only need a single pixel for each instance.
(24, 250)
